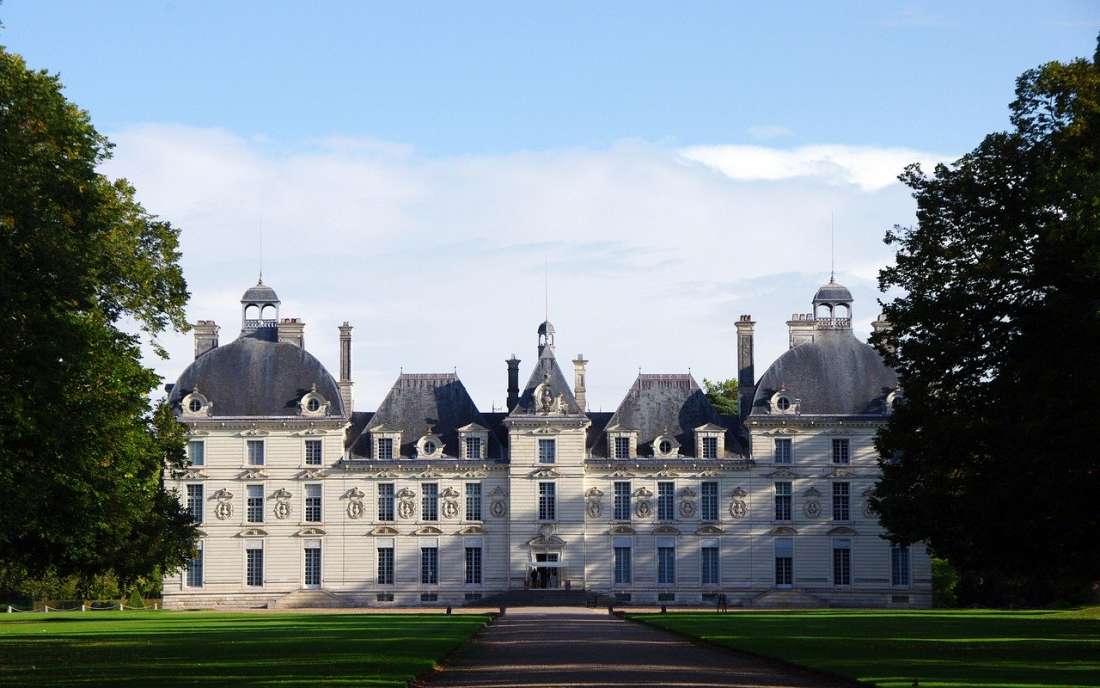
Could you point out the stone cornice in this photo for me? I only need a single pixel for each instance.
(419, 468)
(201, 427)
(813, 421)
(686, 468)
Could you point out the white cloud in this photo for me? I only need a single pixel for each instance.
(768, 132)
(438, 262)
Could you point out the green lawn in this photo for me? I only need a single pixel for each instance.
(937, 647)
(213, 648)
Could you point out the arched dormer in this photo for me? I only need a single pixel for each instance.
(313, 403)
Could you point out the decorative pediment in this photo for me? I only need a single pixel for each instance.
(253, 432)
(193, 473)
(472, 428)
(281, 493)
(428, 474)
(252, 532)
(405, 493)
(593, 492)
(738, 492)
(842, 530)
(783, 530)
(543, 473)
(666, 530)
(812, 493)
(643, 492)
(839, 473)
(222, 494)
(252, 474)
(427, 530)
(385, 474)
(471, 530)
(449, 493)
(546, 541)
(622, 529)
(666, 474)
(710, 427)
(310, 531)
(383, 530)
(311, 474)
(688, 493)
(708, 530)
(782, 472)
(545, 430)
(620, 474)
(710, 473)
(197, 432)
(309, 432)
(471, 475)
(781, 431)
(354, 493)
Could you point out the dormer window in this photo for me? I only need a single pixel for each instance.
(196, 404)
(473, 441)
(622, 443)
(710, 441)
(313, 404)
(384, 443)
(666, 446)
(430, 446)
(783, 402)
(385, 448)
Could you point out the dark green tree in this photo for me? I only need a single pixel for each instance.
(82, 448)
(722, 395)
(991, 453)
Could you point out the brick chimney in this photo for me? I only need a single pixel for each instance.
(746, 370)
(293, 331)
(579, 367)
(513, 382)
(801, 328)
(345, 382)
(206, 336)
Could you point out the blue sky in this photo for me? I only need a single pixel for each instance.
(413, 167)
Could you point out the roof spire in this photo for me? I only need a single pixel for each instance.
(261, 280)
(546, 287)
(832, 247)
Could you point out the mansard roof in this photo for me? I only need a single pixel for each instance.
(254, 377)
(546, 370)
(417, 402)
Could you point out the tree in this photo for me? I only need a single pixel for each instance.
(990, 453)
(82, 448)
(722, 395)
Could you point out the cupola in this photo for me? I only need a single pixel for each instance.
(260, 309)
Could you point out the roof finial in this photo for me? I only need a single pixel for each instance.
(832, 247)
(261, 280)
(546, 287)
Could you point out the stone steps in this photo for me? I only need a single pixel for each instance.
(539, 598)
(309, 599)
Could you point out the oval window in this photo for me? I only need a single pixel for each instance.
(783, 403)
(195, 406)
(665, 446)
(429, 447)
(313, 404)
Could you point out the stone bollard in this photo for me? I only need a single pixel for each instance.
(82, 609)
(448, 610)
(664, 609)
(120, 606)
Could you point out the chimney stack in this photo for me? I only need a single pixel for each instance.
(881, 324)
(746, 371)
(345, 382)
(513, 382)
(579, 365)
(292, 331)
(206, 336)
(801, 328)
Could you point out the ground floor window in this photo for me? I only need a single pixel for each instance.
(254, 563)
(385, 564)
(194, 568)
(313, 563)
(784, 562)
(622, 562)
(473, 565)
(666, 564)
(429, 565)
(710, 564)
(842, 562)
(899, 564)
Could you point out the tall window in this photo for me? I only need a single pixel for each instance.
(710, 564)
(254, 563)
(622, 564)
(313, 562)
(841, 451)
(622, 447)
(841, 503)
(783, 450)
(429, 565)
(899, 564)
(194, 568)
(473, 565)
(473, 447)
(547, 505)
(709, 501)
(429, 502)
(666, 565)
(194, 502)
(622, 501)
(473, 501)
(196, 452)
(665, 496)
(255, 504)
(547, 450)
(313, 452)
(385, 565)
(842, 562)
(783, 501)
(385, 448)
(385, 501)
(710, 447)
(784, 562)
(313, 503)
(255, 452)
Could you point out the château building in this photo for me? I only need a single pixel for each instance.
(428, 500)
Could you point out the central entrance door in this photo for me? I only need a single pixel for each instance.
(545, 572)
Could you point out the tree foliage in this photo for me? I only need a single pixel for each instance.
(722, 395)
(81, 446)
(991, 452)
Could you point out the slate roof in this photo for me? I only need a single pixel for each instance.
(261, 293)
(835, 375)
(254, 377)
(546, 369)
(832, 292)
(417, 401)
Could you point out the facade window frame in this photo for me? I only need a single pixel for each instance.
(842, 451)
(429, 502)
(784, 451)
(313, 451)
(547, 450)
(621, 505)
(313, 510)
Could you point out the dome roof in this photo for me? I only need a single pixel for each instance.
(832, 293)
(261, 293)
(546, 327)
(835, 375)
(253, 377)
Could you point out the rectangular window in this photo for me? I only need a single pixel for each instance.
(709, 501)
(313, 503)
(783, 450)
(254, 564)
(195, 502)
(313, 452)
(255, 452)
(666, 565)
(842, 562)
(429, 565)
(710, 447)
(385, 448)
(665, 497)
(622, 447)
(429, 502)
(841, 453)
(385, 501)
(194, 568)
(710, 565)
(255, 503)
(547, 503)
(841, 503)
(547, 450)
(313, 563)
(622, 565)
(473, 565)
(385, 565)
(899, 564)
(783, 501)
(784, 562)
(196, 452)
(622, 501)
(473, 447)
(473, 501)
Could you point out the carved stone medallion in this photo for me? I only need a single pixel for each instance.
(738, 508)
(282, 503)
(224, 508)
